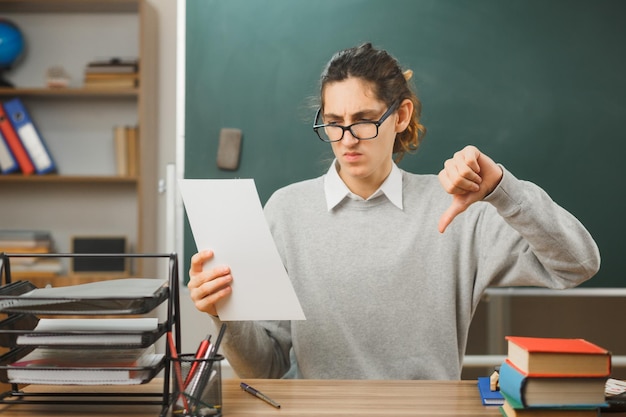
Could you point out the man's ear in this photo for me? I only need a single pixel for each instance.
(405, 111)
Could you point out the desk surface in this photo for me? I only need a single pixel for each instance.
(302, 398)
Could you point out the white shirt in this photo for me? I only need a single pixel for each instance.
(336, 190)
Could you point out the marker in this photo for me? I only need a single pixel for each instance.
(247, 388)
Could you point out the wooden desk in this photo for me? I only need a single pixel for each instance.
(359, 398)
(305, 398)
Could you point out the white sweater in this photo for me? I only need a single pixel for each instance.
(386, 295)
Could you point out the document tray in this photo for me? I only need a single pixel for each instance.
(19, 329)
(123, 374)
(88, 355)
(72, 305)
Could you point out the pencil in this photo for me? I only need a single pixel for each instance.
(177, 369)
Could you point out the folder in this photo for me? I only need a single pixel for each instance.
(30, 137)
(15, 144)
(8, 164)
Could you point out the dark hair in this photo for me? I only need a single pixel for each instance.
(388, 82)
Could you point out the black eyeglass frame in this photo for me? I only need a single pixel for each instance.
(377, 123)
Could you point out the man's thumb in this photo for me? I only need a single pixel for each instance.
(446, 218)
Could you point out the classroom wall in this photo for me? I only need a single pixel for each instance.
(597, 319)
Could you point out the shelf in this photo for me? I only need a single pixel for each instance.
(65, 280)
(78, 123)
(65, 6)
(75, 179)
(70, 92)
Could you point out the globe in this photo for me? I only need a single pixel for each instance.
(11, 47)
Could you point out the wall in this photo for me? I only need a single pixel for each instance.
(194, 324)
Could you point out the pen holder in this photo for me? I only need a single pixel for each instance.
(197, 389)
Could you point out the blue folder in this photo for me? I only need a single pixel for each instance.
(31, 139)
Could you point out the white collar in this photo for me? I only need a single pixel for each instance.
(336, 190)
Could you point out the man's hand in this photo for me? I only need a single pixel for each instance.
(207, 288)
(469, 176)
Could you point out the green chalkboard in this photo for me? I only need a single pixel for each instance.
(538, 85)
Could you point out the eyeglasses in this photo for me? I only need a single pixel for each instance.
(359, 130)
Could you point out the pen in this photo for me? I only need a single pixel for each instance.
(204, 371)
(198, 381)
(247, 388)
(220, 335)
(202, 350)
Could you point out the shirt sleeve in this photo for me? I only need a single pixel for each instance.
(540, 242)
(257, 349)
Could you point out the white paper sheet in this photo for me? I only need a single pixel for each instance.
(89, 332)
(227, 217)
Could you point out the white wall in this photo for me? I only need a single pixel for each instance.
(166, 15)
(194, 325)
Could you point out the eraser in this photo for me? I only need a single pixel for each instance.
(229, 149)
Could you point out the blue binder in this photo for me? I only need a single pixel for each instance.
(30, 137)
(8, 164)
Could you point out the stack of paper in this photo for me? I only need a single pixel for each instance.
(84, 367)
(88, 332)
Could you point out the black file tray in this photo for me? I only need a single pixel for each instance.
(22, 319)
(24, 324)
(14, 325)
(92, 305)
(141, 374)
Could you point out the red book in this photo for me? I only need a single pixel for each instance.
(537, 356)
(14, 142)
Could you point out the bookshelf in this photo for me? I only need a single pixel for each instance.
(85, 196)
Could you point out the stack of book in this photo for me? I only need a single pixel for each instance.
(112, 73)
(553, 377)
(30, 242)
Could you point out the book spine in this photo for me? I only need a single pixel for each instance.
(132, 138)
(121, 150)
(29, 136)
(512, 383)
(15, 144)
